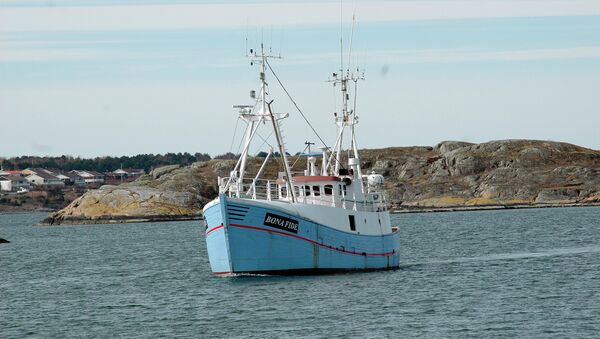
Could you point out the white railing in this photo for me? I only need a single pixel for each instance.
(263, 189)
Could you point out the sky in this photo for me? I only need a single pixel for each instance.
(94, 78)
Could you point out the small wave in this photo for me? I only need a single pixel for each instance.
(512, 256)
(239, 275)
(110, 307)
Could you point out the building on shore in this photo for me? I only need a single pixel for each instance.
(74, 179)
(51, 177)
(14, 182)
(9, 172)
(123, 175)
(68, 178)
(44, 179)
(35, 170)
(91, 177)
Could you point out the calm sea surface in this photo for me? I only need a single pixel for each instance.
(518, 273)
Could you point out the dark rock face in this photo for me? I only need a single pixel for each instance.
(453, 173)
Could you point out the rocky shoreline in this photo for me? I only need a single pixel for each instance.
(489, 208)
(166, 218)
(450, 176)
(106, 219)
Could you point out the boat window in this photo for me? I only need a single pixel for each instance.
(328, 189)
(340, 190)
(316, 190)
(297, 190)
(306, 190)
(352, 223)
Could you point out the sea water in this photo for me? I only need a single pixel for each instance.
(512, 273)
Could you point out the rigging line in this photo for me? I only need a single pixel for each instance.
(298, 108)
(355, 92)
(351, 38)
(305, 148)
(241, 141)
(265, 140)
(341, 36)
(234, 133)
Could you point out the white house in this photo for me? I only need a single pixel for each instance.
(44, 179)
(75, 179)
(13, 182)
(35, 170)
(131, 173)
(90, 177)
(5, 183)
(120, 172)
(62, 176)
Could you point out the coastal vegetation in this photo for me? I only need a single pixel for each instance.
(107, 163)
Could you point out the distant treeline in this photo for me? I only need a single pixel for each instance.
(107, 164)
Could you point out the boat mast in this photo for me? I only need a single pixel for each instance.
(267, 113)
(254, 115)
(347, 117)
(263, 109)
(266, 110)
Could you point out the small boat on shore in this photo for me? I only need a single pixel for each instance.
(327, 218)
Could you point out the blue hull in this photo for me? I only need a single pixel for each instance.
(241, 238)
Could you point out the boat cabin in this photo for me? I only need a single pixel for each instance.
(343, 191)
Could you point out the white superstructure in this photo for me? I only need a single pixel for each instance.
(327, 193)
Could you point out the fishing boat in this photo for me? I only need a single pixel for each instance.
(329, 217)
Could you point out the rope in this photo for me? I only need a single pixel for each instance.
(299, 110)
(304, 150)
(241, 142)
(265, 141)
(234, 133)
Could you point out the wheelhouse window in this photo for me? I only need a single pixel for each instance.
(317, 190)
(306, 190)
(328, 189)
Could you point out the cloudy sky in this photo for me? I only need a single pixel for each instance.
(93, 78)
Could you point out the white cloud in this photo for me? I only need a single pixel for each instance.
(48, 54)
(25, 53)
(454, 55)
(469, 55)
(186, 16)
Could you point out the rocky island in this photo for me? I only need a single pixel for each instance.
(448, 176)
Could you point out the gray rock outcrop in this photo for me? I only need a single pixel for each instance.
(167, 193)
(492, 173)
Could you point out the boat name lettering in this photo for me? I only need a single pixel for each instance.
(282, 223)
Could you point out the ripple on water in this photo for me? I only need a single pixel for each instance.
(520, 273)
